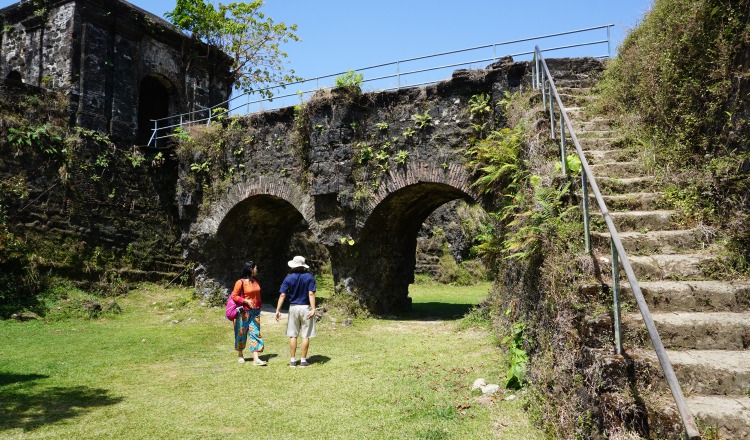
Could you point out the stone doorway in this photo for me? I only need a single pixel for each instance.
(156, 100)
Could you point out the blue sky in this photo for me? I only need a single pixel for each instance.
(341, 35)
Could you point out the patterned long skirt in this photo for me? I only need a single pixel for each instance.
(247, 331)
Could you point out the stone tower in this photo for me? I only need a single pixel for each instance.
(120, 66)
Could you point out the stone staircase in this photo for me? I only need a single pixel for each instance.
(704, 323)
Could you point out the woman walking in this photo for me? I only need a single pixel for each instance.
(246, 294)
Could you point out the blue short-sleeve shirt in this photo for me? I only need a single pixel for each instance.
(297, 286)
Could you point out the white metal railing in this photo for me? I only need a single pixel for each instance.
(542, 79)
(420, 71)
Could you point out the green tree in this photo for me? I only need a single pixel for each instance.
(239, 29)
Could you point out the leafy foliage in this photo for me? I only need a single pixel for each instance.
(518, 359)
(40, 136)
(480, 104)
(239, 29)
(422, 121)
(499, 161)
(676, 70)
(350, 79)
(17, 277)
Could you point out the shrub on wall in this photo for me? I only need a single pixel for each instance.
(679, 84)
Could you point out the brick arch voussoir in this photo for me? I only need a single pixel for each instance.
(454, 175)
(262, 185)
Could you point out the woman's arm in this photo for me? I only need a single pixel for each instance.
(238, 293)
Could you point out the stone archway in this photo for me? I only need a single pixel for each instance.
(157, 98)
(266, 220)
(384, 258)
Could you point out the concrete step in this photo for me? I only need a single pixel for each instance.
(654, 242)
(626, 185)
(696, 296)
(596, 124)
(576, 100)
(575, 82)
(617, 168)
(579, 114)
(606, 155)
(591, 143)
(674, 267)
(575, 90)
(642, 221)
(640, 201)
(729, 414)
(596, 134)
(695, 330)
(706, 372)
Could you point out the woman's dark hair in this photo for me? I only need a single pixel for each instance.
(247, 270)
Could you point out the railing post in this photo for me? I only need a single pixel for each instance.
(398, 74)
(616, 297)
(562, 145)
(533, 72)
(609, 43)
(543, 85)
(536, 56)
(210, 114)
(586, 225)
(551, 111)
(153, 134)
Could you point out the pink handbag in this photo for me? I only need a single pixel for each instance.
(231, 310)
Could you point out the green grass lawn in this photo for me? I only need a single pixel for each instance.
(165, 368)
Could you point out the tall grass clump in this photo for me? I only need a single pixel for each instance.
(679, 85)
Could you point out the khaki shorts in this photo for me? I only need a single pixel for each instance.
(298, 325)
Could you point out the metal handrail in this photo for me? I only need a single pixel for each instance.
(163, 128)
(542, 78)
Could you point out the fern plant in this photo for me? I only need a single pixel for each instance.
(498, 160)
(479, 104)
(422, 121)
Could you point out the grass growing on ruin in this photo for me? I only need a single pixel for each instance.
(165, 368)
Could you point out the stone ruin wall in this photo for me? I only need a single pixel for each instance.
(99, 52)
(38, 49)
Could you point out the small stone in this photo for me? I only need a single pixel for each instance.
(347, 322)
(175, 321)
(490, 389)
(478, 384)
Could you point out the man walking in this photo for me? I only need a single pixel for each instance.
(300, 286)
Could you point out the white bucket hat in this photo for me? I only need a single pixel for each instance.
(298, 262)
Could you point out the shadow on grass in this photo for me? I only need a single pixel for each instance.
(430, 311)
(29, 406)
(318, 359)
(11, 378)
